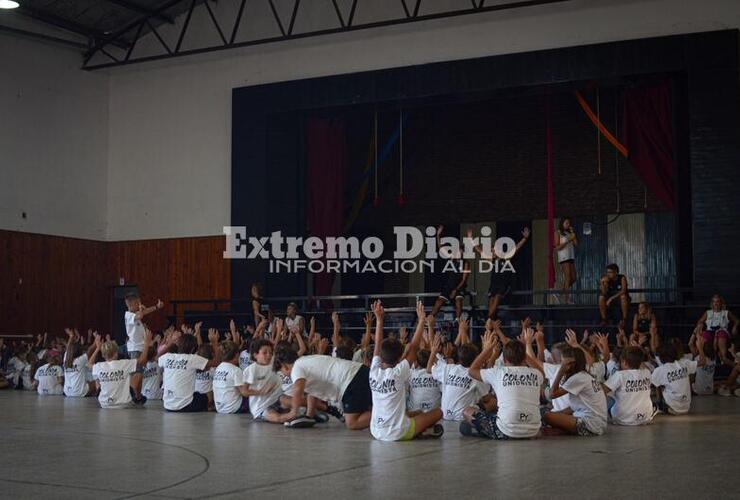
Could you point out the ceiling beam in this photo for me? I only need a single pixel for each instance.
(142, 10)
(67, 25)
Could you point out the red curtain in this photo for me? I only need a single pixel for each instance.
(326, 147)
(648, 135)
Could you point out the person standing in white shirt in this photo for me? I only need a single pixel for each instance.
(630, 388)
(517, 385)
(113, 376)
(587, 412)
(390, 371)
(135, 336)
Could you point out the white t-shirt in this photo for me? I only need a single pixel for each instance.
(598, 370)
(15, 369)
(151, 386)
(204, 381)
(631, 391)
(245, 359)
(424, 391)
(261, 377)
(294, 323)
(612, 367)
(134, 331)
(563, 402)
(75, 378)
(388, 385)
(704, 381)
(587, 400)
(114, 378)
(179, 378)
(674, 378)
(459, 389)
(326, 378)
(517, 391)
(226, 380)
(48, 378)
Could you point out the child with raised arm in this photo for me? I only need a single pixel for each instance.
(180, 369)
(390, 371)
(672, 380)
(76, 384)
(630, 389)
(459, 389)
(587, 412)
(517, 386)
(113, 376)
(135, 337)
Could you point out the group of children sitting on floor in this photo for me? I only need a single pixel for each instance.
(399, 385)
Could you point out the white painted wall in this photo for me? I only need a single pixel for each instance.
(169, 122)
(53, 141)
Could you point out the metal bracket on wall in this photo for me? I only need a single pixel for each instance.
(411, 12)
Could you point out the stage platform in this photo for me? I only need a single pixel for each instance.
(58, 447)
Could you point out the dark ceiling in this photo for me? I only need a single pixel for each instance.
(98, 20)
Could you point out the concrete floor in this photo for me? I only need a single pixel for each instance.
(69, 448)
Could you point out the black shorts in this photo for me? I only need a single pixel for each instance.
(449, 288)
(199, 403)
(568, 261)
(358, 398)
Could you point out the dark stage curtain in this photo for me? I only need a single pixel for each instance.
(647, 133)
(326, 148)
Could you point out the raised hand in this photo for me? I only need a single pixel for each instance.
(449, 350)
(571, 338)
(323, 346)
(368, 319)
(585, 337)
(378, 310)
(489, 340)
(436, 343)
(420, 314)
(334, 318)
(403, 334)
(213, 336)
(525, 232)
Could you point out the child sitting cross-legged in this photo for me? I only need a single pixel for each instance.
(630, 389)
(587, 412)
(230, 394)
(262, 383)
(390, 372)
(517, 385)
(113, 376)
(672, 378)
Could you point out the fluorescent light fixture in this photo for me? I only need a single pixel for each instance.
(9, 4)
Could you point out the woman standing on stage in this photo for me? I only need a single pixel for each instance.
(565, 246)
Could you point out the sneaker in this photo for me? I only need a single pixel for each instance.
(467, 429)
(321, 417)
(335, 412)
(737, 392)
(434, 432)
(724, 391)
(140, 401)
(300, 423)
